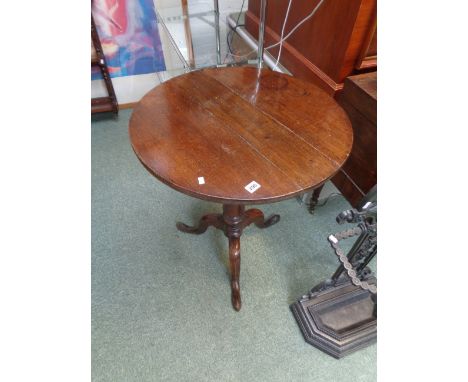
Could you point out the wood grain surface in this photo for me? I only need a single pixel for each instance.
(359, 100)
(328, 47)
(236, 125)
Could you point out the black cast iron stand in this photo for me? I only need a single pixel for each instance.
(339, 315)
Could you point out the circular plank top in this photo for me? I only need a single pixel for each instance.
(233, 126)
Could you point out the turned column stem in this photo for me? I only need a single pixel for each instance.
(232, 216)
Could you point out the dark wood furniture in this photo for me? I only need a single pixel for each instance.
(339, 315)
(359, 99)
(338, 41)
(101, 104)
(211, 133)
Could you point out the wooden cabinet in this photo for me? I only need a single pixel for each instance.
(338, 41)
(359, 99)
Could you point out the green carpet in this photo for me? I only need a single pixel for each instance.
(161, 307)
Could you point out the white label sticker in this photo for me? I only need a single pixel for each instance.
(201, 180)
(252, 186)
(366, 206)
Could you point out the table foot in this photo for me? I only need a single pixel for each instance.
(210, 220)
(234, 264)
(232, 222)
(256, 216)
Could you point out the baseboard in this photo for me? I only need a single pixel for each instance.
(129, 105)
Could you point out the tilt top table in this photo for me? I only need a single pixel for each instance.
(238, 136)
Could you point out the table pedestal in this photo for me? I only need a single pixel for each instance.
(232, 221)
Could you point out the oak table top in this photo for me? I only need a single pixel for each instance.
(231, 127)
(213, 132)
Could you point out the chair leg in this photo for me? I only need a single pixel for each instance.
(314, 199)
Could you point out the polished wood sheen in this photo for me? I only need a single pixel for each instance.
(233, 126)
(359, 100)
(338, 41)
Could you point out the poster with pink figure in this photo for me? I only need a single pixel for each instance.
(129, 37)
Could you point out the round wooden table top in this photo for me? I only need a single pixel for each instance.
(214, 133)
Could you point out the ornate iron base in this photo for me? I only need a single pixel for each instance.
(338, 319)
(232, 222)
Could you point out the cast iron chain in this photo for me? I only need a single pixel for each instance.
(334, 239)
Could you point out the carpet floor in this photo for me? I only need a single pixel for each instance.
(161, 307)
